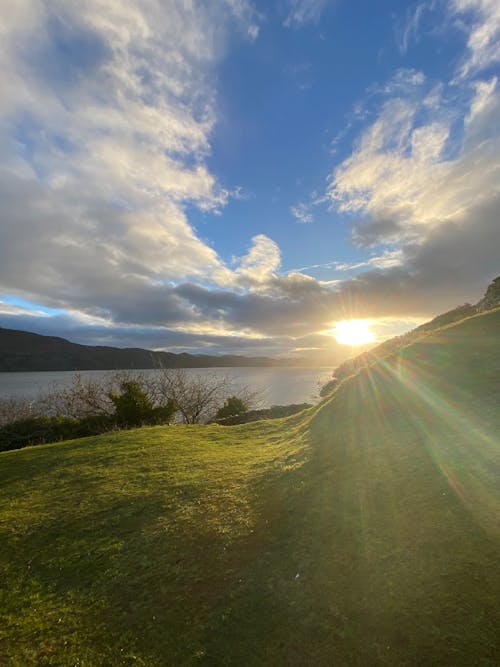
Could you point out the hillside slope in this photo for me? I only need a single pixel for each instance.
(390, 347)
(363, 532)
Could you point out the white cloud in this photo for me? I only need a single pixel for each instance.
(302, 212)
(9, 310)
(253, 32)
(106, 115)
(410, 30)
(261, 262)
(301, 12)
(401, 171)
(387, 260)
(482, 19)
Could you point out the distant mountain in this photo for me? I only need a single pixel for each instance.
(25, 351)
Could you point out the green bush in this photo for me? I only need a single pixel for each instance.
(162, 414)
(133, 406)
(232, 407)
(41, 430)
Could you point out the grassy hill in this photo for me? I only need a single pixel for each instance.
(362, 532)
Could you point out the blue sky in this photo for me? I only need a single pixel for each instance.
(238, 176)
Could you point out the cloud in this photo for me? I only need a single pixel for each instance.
(253, 32)
(71, 326)
(261, 261)
(410, 30)
(387, 260)
(104, 151)
(106, 115)
(301, 12)
(256, 267)
(378, 228)
(423, 182)
(403, 175)
(107, 118)
(302, 213)
(452, 264)
(482, 24)
(422, 185)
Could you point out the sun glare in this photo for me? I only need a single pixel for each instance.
(353, 332)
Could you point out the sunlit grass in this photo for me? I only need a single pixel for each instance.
(122, 544)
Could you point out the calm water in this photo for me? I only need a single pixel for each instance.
(276, 386)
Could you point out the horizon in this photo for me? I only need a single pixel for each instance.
(355, 349)
(245, 179)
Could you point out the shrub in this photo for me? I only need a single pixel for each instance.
(14, 409)
(132, 406)
(42, 430)
(84, 397)
(232, 407)
(161, 414)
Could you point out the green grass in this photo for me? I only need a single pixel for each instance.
(364, 532)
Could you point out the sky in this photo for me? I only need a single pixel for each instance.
(239, 176)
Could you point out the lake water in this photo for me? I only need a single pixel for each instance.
(275, 386)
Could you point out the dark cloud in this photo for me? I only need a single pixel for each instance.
(173, 341)
(453, 264)
(379, 229)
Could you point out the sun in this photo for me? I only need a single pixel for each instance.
(353, 332)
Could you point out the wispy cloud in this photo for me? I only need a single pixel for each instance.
(253, 31)
(302, 212)
(410, 28)
(302, 12)
(387, 260)
(482, 23)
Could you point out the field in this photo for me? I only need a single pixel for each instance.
(362, 532)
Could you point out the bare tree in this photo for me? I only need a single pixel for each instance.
(197, 396)
(84, 397)
(13, 409)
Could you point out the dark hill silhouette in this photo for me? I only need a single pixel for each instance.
(26, 351)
